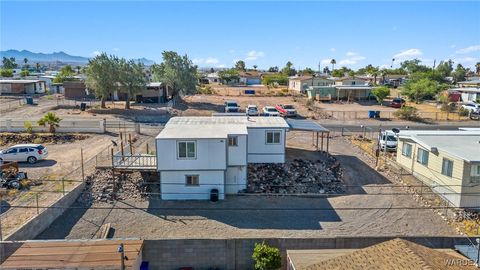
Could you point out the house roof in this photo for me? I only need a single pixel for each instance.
(394, 254)
(19, 81)
(216, 126)
(249, 74)
(463, 144)
(470, 82)
(304, 78)
(465, 89)
(75, 254)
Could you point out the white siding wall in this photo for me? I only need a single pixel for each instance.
(173, 185)
(237, 155)
(211, 155)
(236, 179)
(261, 152)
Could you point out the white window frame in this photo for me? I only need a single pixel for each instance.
(404, 147)
(420, 160)
(475, 174)
(193, 176)
(232, 141)
(186, 150)
(447, 170)
(273, 137)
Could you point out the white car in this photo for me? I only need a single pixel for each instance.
(270, 111)
(252, 110)
(30, 153)
(388, 141)
(471, 107)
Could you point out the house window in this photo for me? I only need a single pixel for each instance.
(422, 156)
(475, 174)
(192, 180)
(407, 150)
(232, 141)
(447, 167)
(187, 150)
(273, 137)
(353, 82)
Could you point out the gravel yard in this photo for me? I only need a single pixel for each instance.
(266, 216)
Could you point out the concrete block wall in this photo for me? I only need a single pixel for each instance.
(40, 222)
(232, 254)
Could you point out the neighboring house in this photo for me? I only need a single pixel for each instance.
(302, 83)
(467, 94)
(249, 77)
(75, 90)
(212, 78)
(21, 87)
(447, 161)
(470, 83)
(48, 79)
(198, 154)
(155, 92)
(350, 81)
(347, 88)
(393, 254)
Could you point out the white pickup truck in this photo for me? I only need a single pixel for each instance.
(388, 141)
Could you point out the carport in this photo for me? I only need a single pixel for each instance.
(315, 128)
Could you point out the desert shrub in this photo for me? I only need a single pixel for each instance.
(309, 103)
(463, 112)
(266, 257)
(407, 113)
(50, 97)
(207, 90)
(38, 141)
(28, 126)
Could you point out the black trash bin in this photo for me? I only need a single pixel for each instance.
(83, 106)
(214, 195)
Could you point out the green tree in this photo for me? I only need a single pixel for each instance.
(459, 73)
(132, 79)
(266, 257)
(25, 65)
(24, 73)
(288, 70)
(6, 72)
(66, 74)
(101, 73)
(37, 67)
(421, 89)
(338, 73)
(78, 68)
(273, 69)
(240, 65)
(177, 72)
(333, 62)
(50, 119)
(228, 75)
(445, 68)
(307, 71)
(255, 67)
(9, 63)
(380, 93)
(407, 113)
(413, 66)
(281, 79)
(477, 68)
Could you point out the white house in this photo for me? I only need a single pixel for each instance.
(198, 154)
(302, 83)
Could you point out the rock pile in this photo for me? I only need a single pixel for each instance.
(133, 186)
(16, 138)
(298, 176)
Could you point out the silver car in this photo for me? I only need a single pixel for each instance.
(30, 153)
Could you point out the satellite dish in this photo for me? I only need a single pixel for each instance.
(395, 130)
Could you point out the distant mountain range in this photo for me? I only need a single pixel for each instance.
(53, 57)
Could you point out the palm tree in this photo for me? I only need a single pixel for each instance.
(255, 67)
(50, 119)
(383, 73)
(78, 69)
(37, 66)
(333, 62)
(477, 66)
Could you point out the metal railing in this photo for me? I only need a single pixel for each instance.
(136, 161)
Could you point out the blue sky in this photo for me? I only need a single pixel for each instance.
(261, 33)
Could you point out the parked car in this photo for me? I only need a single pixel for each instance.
(286, 110)
(397, 102)
(231, 106)
(388, 141)
(252, 110)
(471, 107)
(30, 153)
(270, 111)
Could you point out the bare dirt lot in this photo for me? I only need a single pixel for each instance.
(372, 206)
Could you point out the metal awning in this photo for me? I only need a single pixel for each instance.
(305, 125)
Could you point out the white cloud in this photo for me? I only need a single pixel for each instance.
(470, 49)
(325, 61)
(95, 53)
(332, 49)
(221, 66)
(254, 55)
(351, 59)
(351, 53)
(211, 60)
(197, 61)
(466, 61)
(408, 54)
(231, 51)
(116, 49)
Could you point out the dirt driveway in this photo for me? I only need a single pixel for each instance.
(266, 216)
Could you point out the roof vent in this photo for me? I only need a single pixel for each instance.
(434, 150)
